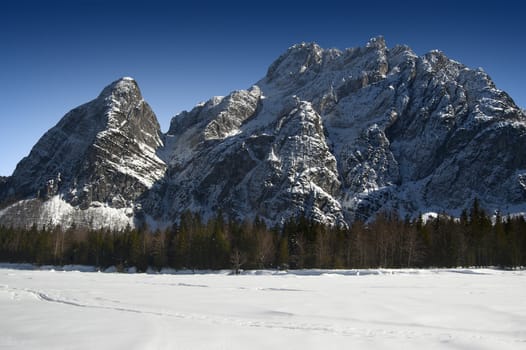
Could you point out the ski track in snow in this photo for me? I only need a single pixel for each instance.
(319, 327)
(264, 316)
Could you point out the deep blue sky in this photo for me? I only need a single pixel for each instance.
(56, 55)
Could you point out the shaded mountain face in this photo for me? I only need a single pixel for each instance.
(333, 135)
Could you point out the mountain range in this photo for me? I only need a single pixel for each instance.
(328, 134)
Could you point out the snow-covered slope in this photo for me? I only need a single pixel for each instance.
(333, 135)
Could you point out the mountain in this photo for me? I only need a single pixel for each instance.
(90, 168)
(333, 135)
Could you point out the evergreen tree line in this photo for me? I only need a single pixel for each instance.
(387, 241)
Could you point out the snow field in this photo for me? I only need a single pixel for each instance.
(370, 309)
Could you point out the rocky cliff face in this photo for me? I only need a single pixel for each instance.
(100, 155)
(334, 135)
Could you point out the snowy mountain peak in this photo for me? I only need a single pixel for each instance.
(377, 42)
(123, 91)
(99, 155)
(297, 60)
(311, 46)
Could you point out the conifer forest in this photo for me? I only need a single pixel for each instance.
(388, 241)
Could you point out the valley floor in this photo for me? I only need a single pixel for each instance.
(368, 309)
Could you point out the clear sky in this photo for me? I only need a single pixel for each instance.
(56, 55)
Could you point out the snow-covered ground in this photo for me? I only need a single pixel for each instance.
(377, 309)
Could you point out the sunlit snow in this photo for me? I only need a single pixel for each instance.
(368, 309)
